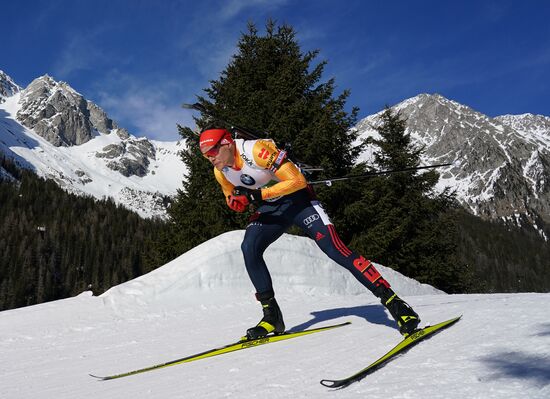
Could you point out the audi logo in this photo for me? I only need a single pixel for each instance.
(311, 219)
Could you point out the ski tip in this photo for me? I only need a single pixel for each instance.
(453, 320)
(448, 322)
(439, 326)
(334, 383)
(328, 383)
(98, 377)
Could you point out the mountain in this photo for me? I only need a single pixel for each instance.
(501, 166)
(51, 128)
(7, 87)
(192, 304)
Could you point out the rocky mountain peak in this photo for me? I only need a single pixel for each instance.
(502, 165)
(7, 86)
(61, 115)
(65, 118)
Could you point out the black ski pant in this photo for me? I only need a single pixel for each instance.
(272, 219)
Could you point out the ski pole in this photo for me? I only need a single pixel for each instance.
(330, 180)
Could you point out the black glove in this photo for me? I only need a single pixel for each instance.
(254, 196)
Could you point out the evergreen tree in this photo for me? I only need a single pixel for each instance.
(407, 226)
(270, 85)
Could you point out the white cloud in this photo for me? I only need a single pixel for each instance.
(149, 110)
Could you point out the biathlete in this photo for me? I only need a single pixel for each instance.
(257, 172)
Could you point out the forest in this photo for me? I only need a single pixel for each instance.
(54, 244)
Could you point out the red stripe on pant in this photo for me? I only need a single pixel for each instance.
(340, 246)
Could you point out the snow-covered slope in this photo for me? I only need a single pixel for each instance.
(500, 349)
(7, 86)
(534, 128)
(52, 129)
(501, 165)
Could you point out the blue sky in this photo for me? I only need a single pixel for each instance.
(139, 60)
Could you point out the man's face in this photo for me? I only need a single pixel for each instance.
(221, 155)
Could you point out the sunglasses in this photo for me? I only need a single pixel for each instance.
(214, 151)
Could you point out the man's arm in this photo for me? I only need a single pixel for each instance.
(268, 156)
(227, 187)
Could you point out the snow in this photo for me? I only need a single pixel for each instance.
(203, 299)
(63, 164)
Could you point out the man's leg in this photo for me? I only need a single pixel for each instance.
(259, 235)
(257, 238)
(315, 222)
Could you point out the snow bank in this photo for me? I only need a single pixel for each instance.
(296, 264)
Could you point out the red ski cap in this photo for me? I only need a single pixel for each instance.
(210, 137)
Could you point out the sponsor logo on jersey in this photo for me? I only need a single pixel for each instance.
(263, 154)
(311, 219)
(269, 163)
(248, 180)
(278, 162)
(246, 159)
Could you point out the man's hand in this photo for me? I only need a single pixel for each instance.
(254, 196)
(238, 204)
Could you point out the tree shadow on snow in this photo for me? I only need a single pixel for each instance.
(519, 365)
(374, 314)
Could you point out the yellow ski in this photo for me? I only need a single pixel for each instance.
(400, 348)
(239, 345)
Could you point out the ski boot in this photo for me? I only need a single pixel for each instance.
(272, 322)
(407, 319)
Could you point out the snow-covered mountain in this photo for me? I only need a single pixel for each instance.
(52, 129)
(502, 164)
(7, 87)
(203, 299)
(502, 168)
